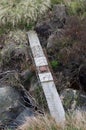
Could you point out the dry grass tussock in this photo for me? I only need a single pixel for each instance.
(21, 11)
(75, 121)
(16, 36)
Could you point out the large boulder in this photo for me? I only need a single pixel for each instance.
(59, 16)
(10, 103)
(59, 11)
(14, 100)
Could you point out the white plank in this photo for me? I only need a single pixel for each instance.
(33, 39)
(37, 51)
(45, 77)
(54, 102)
(40, 61)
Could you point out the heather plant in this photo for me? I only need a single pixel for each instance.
(74, 41)
(76, 29)
(16, 12)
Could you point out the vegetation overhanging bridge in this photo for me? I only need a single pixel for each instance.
(46, 79)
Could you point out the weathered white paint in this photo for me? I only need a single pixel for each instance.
(46, 79)
(37, 51)
(40, 61)
(54, 102)
(33, 39)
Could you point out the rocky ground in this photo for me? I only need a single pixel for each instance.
(64, 41)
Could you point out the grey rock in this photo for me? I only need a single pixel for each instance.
(54, 39)
(21, 119)
(59, 11)
(23, 116)
(26, 77)
(10, 103)
(50, 41)
(73, 100)
(59, 16)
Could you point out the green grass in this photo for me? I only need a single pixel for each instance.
(54, 64)
(57, 1)
(77, 7)
(21, 11)
(40, 98)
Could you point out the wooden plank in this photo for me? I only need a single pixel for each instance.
(46, 79)
(37, 51)
(40, 61)
(53, 101)
(33, 39)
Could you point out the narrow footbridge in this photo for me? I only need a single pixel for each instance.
(46, 79)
